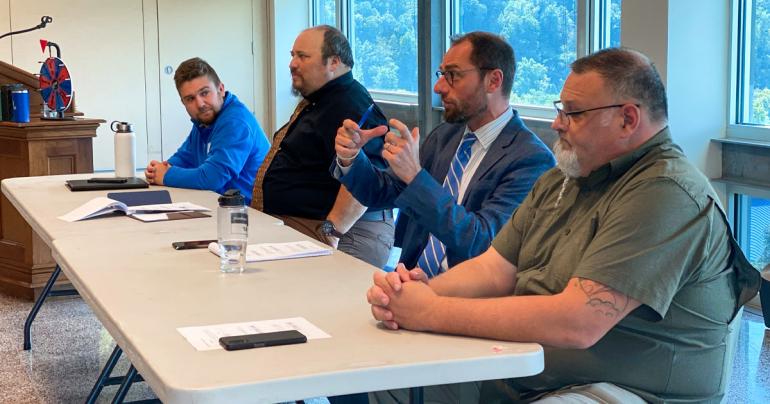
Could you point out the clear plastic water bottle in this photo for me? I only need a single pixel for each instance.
(233, 231)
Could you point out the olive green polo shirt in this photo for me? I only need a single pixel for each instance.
(648, 225)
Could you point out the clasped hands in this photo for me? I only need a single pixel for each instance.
(401, 149)
(155, 171)
(402, 299)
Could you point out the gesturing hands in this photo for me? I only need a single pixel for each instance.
(351, 138)
(155, 171)
(401, 150)
(402, 298)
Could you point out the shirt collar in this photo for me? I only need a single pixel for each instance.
(487, 134)
(330, 86)
(618, 166)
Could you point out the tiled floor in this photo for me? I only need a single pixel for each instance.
(69, 347)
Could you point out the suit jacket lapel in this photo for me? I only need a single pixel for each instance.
(447, 153)
(496, 152)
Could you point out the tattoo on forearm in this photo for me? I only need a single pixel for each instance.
(606, 301)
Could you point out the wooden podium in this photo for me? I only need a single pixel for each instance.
(40, 147)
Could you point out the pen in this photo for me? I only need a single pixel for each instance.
(366, 116)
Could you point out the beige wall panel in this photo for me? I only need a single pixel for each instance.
(219, 32)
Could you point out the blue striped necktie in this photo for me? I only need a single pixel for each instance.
(433, 254)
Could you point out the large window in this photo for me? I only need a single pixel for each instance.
(753, 228)
(544, 34)
(383, 34)
(325, 12)
(754, 106)
(751, 110)
(547, 36)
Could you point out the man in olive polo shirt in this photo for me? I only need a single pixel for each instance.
(620, 262)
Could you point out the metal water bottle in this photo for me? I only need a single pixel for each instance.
(125, 149)
(232, 231)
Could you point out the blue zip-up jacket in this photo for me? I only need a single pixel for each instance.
(223, 155)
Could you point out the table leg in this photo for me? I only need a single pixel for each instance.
(764, 298)
(36, 307)
(415, 395)
(123, 389)
(105, 375)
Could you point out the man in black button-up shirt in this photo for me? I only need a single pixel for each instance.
(297, 185)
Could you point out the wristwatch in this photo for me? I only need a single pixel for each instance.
(327, 228)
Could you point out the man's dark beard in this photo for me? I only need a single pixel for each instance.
(460, 117)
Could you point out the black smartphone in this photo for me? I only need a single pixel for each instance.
(189, 245)
(108, 180)
(237, 342)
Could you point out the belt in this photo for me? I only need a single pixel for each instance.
(377, 215)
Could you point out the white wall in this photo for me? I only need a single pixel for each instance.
(289, 17)
(103, 52)
(698, 65)
(5, 26)
(688, 40)
(644, 27)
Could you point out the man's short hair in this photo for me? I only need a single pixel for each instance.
(335, 44)
(628, 74)
(193, 68)
(491, 51)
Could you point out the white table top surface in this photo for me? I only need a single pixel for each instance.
(142, 290)
(41, 200)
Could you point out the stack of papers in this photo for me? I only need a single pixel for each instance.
(102, 206)
(279, 251)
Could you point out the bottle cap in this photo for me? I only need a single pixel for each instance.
(121, 127)
(232, 197)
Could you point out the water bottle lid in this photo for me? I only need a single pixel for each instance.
(12, 87)
(232, 197)
(121, 127)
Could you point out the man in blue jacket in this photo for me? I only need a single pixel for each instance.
(461, 185)
(226, 144)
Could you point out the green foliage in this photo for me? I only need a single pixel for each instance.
(384, 40)
(542, 33)
(760, 63)
(760, 106)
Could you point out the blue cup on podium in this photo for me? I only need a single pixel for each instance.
(20, 105)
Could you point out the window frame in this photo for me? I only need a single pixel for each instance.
(740, 63)
(736, 209)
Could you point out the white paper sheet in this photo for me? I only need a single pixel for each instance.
(280, 251)
(206, 338)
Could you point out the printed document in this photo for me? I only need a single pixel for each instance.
(206, 338)
(280, 251)
(102, 206)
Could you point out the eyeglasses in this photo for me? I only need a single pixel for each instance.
(451, 75)
(565, 116)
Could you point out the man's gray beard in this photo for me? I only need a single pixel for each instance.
(295, 92)
(566, 160)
